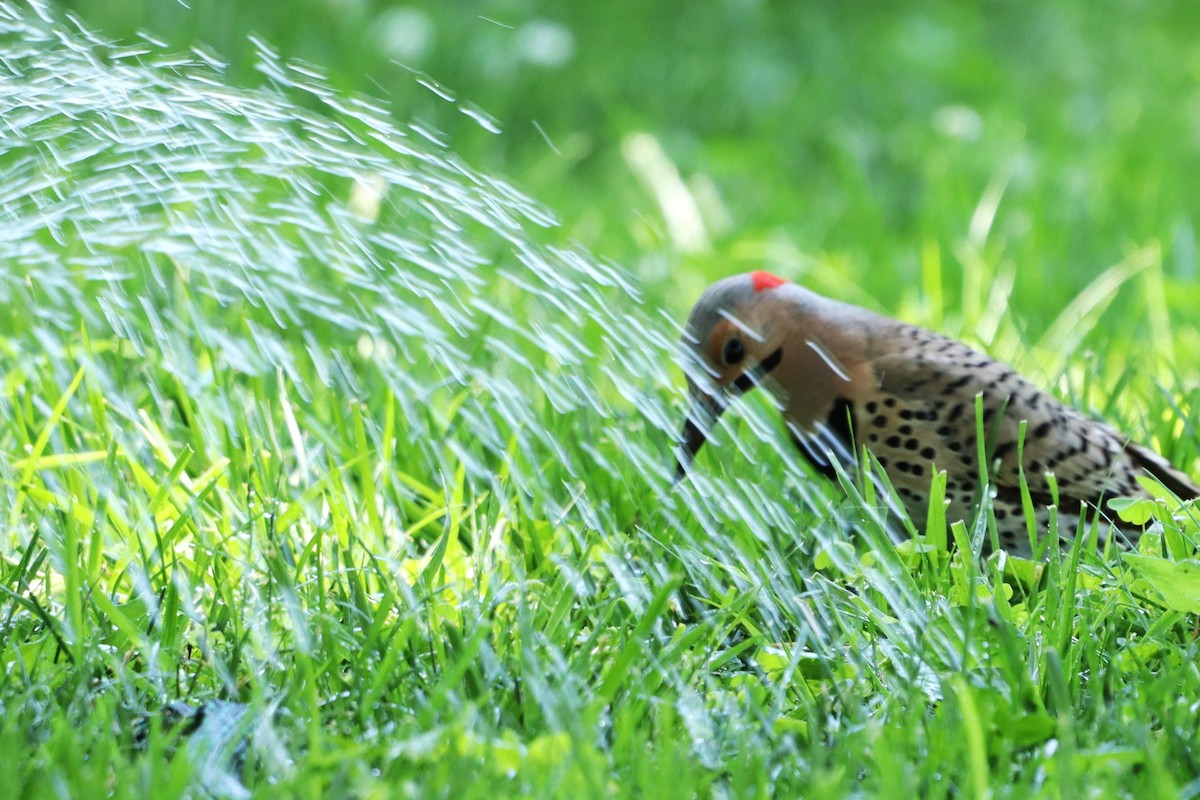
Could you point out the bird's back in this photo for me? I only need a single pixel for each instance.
(919, 413)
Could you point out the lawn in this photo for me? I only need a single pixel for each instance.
(339, 392)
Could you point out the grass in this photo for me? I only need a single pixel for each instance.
(302, 413)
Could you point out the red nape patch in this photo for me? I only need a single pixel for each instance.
(765, 280)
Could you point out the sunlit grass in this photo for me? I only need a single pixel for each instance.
(301, 413)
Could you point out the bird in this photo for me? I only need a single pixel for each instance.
(846, 378)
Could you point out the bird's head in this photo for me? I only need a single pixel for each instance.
(729, 346)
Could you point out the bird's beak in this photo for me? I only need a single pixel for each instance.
(703, 414)
(706, 409)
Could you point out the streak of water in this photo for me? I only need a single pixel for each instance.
(204, 234)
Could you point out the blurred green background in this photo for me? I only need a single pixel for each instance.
(977, 168)
(860, 137)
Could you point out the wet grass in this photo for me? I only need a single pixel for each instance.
(302, 413)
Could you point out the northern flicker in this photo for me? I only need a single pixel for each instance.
(845, 377)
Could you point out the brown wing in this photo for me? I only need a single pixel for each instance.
(1176, 481)
(934, 381)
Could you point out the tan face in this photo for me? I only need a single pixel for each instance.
(726, 350)
(736, 358)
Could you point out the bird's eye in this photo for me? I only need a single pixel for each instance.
(734, 352)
